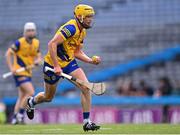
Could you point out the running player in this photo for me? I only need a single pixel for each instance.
(24, 52)
(63, 48)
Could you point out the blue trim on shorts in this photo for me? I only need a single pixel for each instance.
(19, 82)
(51, 78)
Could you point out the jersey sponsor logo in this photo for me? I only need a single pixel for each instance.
(66, 31)
(53, 77)
(74, 65)
(47, 77)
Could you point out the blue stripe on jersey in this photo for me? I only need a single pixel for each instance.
(61, 53)
(68, 31)
(20, 62)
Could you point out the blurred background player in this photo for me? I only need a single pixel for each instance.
(62, 50)
(24, 52)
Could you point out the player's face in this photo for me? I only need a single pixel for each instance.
(30, 34)
(88, 20)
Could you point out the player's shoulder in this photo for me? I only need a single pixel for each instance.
(69, 26)
(19, 41)
(67, 30)
(71, 22)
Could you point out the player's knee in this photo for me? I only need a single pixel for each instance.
(86, 95)
(85, 92)
(31, 93)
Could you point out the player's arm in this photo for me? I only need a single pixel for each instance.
(10, 53)
(79, 54)
(38, 58)
(52, 47)
(9, 57)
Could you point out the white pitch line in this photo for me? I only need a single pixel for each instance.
(105, 128)
(52, 129)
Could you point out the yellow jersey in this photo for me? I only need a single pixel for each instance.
(25, 53)
(73, 38)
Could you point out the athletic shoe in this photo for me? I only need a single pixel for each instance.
(30, 108)
(90, 126)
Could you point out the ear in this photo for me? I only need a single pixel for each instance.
(80, 17)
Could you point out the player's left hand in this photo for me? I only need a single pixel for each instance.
(96, 60)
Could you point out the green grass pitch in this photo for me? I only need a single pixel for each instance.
(77, 129)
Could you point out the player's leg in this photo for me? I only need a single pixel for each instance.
(17, 107)
(50, 84)
(25, 89)
(41, 97)
(46, 96)
(85, 101)
(85, 94)
(28, 90)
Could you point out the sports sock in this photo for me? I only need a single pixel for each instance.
(86, 117)
(21, 111)
(14, 120)
(14, 115)
(32, 102)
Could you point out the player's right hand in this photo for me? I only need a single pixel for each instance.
(57, 70)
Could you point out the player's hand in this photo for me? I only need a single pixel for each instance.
(13, 70)
(96, 60)
(57, 70)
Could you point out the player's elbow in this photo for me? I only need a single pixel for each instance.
(49, 44)
(77, 54)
